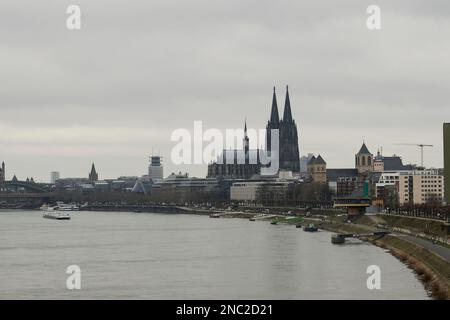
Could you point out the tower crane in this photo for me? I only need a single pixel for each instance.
(421, 145)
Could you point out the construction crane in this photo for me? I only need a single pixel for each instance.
(421, 145)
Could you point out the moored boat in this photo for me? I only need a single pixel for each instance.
(310, 228)
(274, 221)
(67, 207)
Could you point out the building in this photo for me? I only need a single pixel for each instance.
(155, 168)
(54, 176)
(394, 163)
(413, 187)
(447, 161)
(2, 173)
(317, 169)
(364, 160)
(246, 163)
(93, 176)
(237, 164)
(289, 154)
(304, 162)
(73, 184)
(247, 191)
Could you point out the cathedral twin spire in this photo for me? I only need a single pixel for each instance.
(287, 115)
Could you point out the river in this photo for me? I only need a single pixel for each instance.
(175, 256)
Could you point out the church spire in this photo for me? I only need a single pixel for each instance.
(93, 176)
(287, 116)
(274, 118)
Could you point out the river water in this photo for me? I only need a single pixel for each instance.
(166, 256)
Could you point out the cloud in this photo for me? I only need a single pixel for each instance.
(139, 70)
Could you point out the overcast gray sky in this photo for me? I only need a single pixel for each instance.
(137, 70)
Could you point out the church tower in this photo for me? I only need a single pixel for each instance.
(364, 160)
(289, 151)
(93, 176)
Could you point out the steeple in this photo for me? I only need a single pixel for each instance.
(93, 176)
(287, 116)
(246, 139)
(274, 118)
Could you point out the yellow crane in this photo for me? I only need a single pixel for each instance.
(421, 145)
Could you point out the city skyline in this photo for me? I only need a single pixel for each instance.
(69, 99)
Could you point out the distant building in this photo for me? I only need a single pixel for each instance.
(364, 160)
(54, 176)
(247, 191)
(447, 161)
(317, 169)
(382, 163)
(245, 164)
(73, 184)
(236, 164)
(289, 154)
(413, 187)
(155, 168)
(2, 173)
(93, 176)
(304, 162)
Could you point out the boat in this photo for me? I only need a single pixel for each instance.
(298, 225)
(337, 239)
(56, 215)
(310, 228)
(54, 212)
(67, 207)
(252, 219)
(214, 215)
(274, 221)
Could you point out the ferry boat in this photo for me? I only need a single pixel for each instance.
(54, 212)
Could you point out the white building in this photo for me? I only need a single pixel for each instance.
(415, 186)
(54, 176)
(155, 169)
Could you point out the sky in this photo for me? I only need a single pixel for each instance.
(114, 91)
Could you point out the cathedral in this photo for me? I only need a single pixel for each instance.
(289, 155)
(288, 150)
